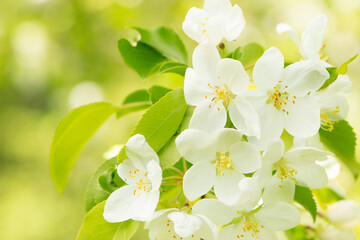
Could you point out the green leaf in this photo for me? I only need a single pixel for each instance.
(141, 95)
(333, 76)
(169, 154)
(93, 189)
(165, 41)
(71, 135)
(342, 142)
(131, 107)
(142, 58)
(161, 122)
(157, 92)
(174, 67)
(251, 53)
(344, 67)
(305, 198)
(94, 227)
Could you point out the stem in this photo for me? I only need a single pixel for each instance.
(177, 170)
(172, 177)
(249, 67)
(184, 165)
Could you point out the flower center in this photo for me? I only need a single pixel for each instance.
(143, 183)
(221, 94)
(223, 163)
(250, 228)
(327, 120)
(284, 172)
(279, 98)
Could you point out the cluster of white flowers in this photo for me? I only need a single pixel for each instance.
(246, 170)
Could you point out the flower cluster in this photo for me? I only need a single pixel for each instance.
(242, 178)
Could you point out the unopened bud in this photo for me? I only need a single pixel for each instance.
(344, 214)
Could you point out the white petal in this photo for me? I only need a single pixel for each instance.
(213, 32)
(244, 117)
(144, 205)
(226, 187)
(305, 155)
(154, 175)
(208, 229)
(125, 170)
(139, 151)
(272, 125)
(278, 216)
(195, 145)
(185, 225)
(196, 91)
(118, 206)
(205, 60)
(263, 175)
(158, 225)
(192, 25)
(215, 7)
(234, 23)
(312, 37)
(224, 138)
(231, 73)
(304, 77)
(268, 69)
(277, 190)
(312, 176)
(313, 141)
(341, 86)
(273, 153)
(215, 210)
(331, 232)
(335, 106)
(286, 28)
(250, 194)
(246, 158)
(198, 180)
(208, 116)
(303, 119)
(344, 214)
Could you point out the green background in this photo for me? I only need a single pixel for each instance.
(59, 54)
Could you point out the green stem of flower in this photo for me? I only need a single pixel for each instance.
(177, 170)
(249, 67)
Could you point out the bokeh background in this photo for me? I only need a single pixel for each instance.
(56, 55)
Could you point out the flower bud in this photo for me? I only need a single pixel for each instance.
(344, 214)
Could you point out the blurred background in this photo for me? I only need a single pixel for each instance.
(56, 55)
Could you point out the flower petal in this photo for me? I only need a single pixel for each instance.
(208, 116)
(273, 153)
(234, 23)
(344, 214)
(125, 169)
(225, 137)
(215, 210)
(208, 229)
(158, 225)
(312, 176)
(272, 125)
(154, 175)
(305, 155)
(277, 190)
(195, 146)
(246, 157)
(144, 205)
(196, 91)
(205, 60)
(139, 151)
(226, 187)
(214, 7)
(313, 36)
(278, 216)
(286, 28)
(231, 73)
(192, 25)
(185, 225)
(303, 119)
(198, 180)
(118, 206)
(304, 77)
(268, 69)
(244, 117)
(250, 194)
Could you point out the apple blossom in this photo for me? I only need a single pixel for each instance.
(344, 214)
(219, 159)
(218, 20)
(311, 39)
(296, 166)
(142, 172)
(173, 224)
(282, 97)
(216, 86)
